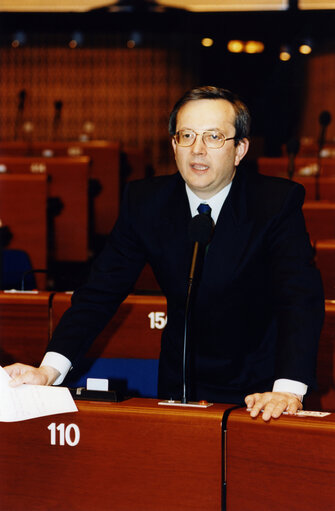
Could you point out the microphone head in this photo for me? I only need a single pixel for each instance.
(293, 146)
(325, 118)
(58, 105)
(201, 229)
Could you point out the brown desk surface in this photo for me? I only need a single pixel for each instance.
(133, 455)
(287, 464)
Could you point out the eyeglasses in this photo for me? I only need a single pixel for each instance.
(213, 139)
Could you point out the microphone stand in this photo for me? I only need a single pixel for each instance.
(324, 120)
(187, 312)
(201, 229)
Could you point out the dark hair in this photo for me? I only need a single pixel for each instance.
(242, 118)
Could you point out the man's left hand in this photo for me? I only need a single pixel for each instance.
(273, 404)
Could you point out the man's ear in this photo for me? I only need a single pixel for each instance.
(241, 150)
(174, 144)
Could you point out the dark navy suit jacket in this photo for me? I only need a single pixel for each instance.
(259, 306)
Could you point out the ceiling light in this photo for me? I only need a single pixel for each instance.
(207, 42)
(285, 53)
(235, 46)
(305, 49)
(254, 47)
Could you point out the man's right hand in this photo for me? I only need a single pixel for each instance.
(22, 373)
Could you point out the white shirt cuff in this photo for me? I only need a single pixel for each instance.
(285, 385)
(58, 362)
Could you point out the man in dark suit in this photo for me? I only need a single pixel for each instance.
(258, 309)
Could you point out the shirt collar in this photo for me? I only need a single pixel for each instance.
(215, 202)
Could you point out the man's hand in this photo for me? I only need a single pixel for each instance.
(22, 373)
(273, 404)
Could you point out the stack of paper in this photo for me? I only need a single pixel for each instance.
(31, 401)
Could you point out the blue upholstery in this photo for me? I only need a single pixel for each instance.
(14, 264)
(131, 377)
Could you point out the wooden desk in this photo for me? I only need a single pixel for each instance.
(24, 327)
(131, 333)
(320, 219)
(303, 166)
(287, 464)
(105, 157)
(325, 261)
(23, 202)
(133, 455)
(67, 180)
(326, 181)
(309, 147)
(324, 397)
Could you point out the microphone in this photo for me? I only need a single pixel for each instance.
(324, 119)
(292, 148)
(200, 232)
(19, 112)
(22, 98)
(58, 104)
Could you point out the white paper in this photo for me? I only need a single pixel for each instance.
(31, 401)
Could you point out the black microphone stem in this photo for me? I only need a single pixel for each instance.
(188, 300)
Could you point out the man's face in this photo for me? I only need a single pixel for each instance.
(207, 170)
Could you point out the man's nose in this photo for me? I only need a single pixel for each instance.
(199, 147)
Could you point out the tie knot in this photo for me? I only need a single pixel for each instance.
(204, 209)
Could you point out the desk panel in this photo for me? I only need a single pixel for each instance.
(286, 464)
(105, 168)
(133, 455)
(325, 259)
(68, 181)
(24, 327)
(320, 219)
(323, 398)
(134, 332)
(325, 184)
(23, 202)
(304, 166)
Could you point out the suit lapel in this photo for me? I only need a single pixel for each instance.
(231, 237)
(172, 231)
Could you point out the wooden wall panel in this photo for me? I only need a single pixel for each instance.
(126, 93)
(320, 86)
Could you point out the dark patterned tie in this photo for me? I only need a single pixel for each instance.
(205, 209)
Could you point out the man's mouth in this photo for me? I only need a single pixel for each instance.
(199, 166)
